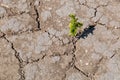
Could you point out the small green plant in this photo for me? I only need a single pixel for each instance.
(74, 25)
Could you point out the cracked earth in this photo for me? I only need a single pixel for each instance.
(35, 45)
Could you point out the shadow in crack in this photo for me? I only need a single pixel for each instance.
(86, 32)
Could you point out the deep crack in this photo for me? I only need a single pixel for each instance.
(72, 63)
(37, 18)
(21, 72)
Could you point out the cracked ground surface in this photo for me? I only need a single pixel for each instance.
(34, 41)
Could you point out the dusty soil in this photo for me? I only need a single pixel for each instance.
(35, 45)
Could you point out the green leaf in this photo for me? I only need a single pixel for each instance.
(74, 25)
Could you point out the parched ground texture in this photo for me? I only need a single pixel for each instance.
(35, 45)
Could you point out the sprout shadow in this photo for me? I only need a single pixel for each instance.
(86, 32)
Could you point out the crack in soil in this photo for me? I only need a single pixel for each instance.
(115, 53)
(64, 78)
(81, 71)
(37, 18)
(21, 65)
(55, 37)
(72, 63)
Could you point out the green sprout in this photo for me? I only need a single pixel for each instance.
(74, 25)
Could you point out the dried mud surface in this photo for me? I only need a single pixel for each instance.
(35, 45)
